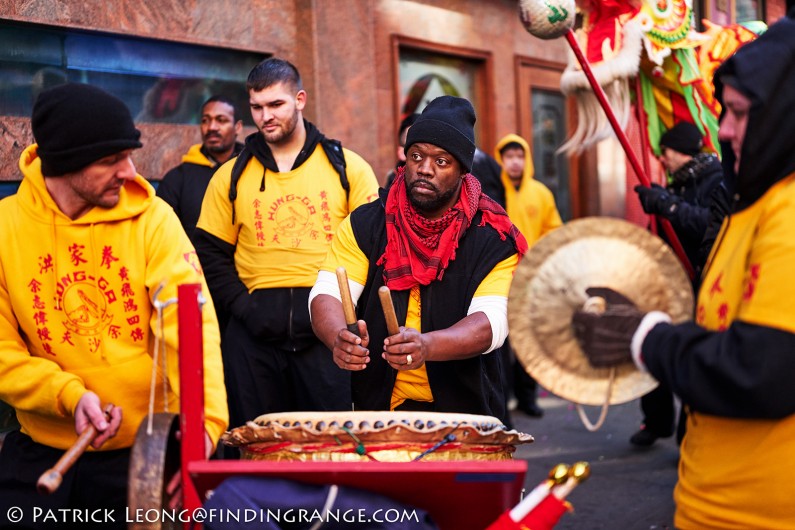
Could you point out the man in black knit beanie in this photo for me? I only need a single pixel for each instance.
(86, 245)
(447, 253)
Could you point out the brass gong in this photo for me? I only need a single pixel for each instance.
(549, 286)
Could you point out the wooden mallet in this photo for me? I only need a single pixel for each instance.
(389, 310)
(51, 479)
(392, 325)
(347, 301)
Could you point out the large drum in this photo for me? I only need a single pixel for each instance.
(382, 436)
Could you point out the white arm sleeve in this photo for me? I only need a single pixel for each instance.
(496, 310)
(326, 283)
(649, 321)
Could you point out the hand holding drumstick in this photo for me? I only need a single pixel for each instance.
(350, 344)
(403, 350)
(51, 479)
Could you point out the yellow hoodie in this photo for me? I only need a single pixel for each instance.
(532, 207)
(76, 309)
(195, 156)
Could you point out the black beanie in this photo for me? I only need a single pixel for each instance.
(684, 137)
(76, 124)
(447, 122)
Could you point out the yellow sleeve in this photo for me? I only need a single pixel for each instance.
(498, 281)
(216, 212)
(173, 261)
(364, 185)
(31, 383)
(552, 218)
(344, 252)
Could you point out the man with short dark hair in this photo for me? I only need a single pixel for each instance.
(183, 187)
(87, 246)
(447, 252)
(266, 223)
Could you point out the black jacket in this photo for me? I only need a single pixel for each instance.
(183, 188)
(694, 183)
(489, 173)
(472, 386)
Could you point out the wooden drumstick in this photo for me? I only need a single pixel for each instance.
(347, 301)
(392, 325)
(51, 479)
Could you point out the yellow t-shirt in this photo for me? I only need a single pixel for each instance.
(736, 473)
(409, 384)
(282, 233)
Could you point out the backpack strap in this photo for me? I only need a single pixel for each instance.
(240, 164)
(335, 155)
(332, 149)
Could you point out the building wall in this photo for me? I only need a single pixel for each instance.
(253, 25)
(775, 10)
(343, 49)
(491, 26)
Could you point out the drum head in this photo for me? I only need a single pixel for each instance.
(374, 435)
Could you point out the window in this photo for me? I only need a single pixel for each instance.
(543, 120)
(427, 71)
(749, 10)
(726, 12)
(161, 82)
(549, 133)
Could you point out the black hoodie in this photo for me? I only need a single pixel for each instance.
(765, 73)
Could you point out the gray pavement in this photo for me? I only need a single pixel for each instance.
(629, 488)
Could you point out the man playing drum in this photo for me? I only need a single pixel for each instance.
(447, 253)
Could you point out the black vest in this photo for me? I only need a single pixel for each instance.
(472, 386)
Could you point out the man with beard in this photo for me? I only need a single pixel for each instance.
(183, 187)
(266, 223)
(733, 366)
(447, 252)
(86, 247)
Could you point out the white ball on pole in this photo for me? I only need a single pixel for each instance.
(547, 19)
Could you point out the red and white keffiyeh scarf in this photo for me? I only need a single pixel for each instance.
(418, 249)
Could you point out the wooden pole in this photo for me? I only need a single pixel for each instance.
(347, 301)
(622, 138)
